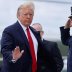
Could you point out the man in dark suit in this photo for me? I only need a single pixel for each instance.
(17, 41)
(67, 40)
(53, 58)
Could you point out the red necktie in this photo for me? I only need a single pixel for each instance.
(34, 64)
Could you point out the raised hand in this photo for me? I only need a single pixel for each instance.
(16, 53)
(68, 24)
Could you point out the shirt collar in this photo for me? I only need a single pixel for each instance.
(24, 28)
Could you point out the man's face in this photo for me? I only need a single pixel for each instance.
(38, 27)
(26, 16)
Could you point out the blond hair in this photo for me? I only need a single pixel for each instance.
(29, 5)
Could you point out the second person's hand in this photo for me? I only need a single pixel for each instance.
(68, 24)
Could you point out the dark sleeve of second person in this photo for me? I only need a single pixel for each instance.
(65, 35)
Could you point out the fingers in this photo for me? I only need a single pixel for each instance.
(17, 48)
(22, 51)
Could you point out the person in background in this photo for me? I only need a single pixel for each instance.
(21, 45)
(53, 58)
(67, 40)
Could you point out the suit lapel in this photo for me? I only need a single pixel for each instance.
(22, 34)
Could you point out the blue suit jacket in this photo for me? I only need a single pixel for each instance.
(14, 36)
(67, 40)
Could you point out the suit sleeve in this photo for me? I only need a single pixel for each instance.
(57, 58)
(6, 46)
(65, 35)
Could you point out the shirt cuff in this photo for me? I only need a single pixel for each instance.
(13, 61)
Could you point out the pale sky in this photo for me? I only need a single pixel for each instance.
(50, 15)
